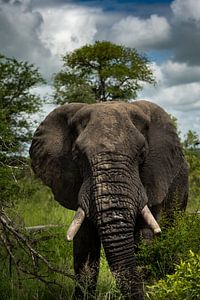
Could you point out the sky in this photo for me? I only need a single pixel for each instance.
(168, 32)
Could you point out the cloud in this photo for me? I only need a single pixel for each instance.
(177, 91)
(41, 35)
(186, 31)
(183, 97)
(153, 32)
(76, 27)
(178, 85)
(182, 101)
(175, 73)
(20, 35)
(186, 10)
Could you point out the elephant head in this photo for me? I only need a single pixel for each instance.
(112, 162)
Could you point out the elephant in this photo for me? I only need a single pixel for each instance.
(118, 165)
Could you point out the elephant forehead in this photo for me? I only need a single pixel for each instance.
(111, 114)
(102, 109)
(104, 116)
(110, 124)
(111, 107)
(108, 131)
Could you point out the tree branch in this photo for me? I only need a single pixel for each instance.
(33, 252)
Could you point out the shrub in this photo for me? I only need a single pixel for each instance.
(183, 284)
(161, 256)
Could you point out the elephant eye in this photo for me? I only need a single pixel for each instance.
(142, 154)
(75, 153)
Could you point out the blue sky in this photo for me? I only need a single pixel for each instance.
(167, 31)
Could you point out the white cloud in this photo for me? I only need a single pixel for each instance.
(20, 35)
(174, 87)
(174, 73)
(175, 92)
(181, 97)
(68, 27)
(149, 33)
(186, 9)
(182, 101)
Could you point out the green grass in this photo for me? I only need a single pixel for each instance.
(193, 203)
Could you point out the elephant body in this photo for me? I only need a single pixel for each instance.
(111, 160)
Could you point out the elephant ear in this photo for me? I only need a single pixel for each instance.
(164, 157)
(51, 155)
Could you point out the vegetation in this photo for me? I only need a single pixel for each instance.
(161, 257)
(183, 284)
(191, 146)
(100, 72)
(16, 103)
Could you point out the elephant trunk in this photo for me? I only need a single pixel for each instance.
(116, 192)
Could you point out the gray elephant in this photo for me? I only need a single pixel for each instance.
(118, 165)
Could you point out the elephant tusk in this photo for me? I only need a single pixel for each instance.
(76, 224)
(149, 218)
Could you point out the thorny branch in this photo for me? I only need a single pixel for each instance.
(9, 233)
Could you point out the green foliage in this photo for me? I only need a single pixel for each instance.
(193, 158)
(12, 170)
(100, 72)
(160, 257)
(192, 140)
(183, 284)
(16, 103)
(192, 155)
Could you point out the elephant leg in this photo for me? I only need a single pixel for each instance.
(86, 251)
(177, 196)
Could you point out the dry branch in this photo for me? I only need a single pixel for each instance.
(41, 227)
(10, 235)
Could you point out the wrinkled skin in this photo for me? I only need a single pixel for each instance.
(111, 159)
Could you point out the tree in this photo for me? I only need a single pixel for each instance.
(192, 140)
(16, 103)
(101, 72)
(192, 153)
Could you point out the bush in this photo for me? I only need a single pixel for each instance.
(161, 256)
(183, 284)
